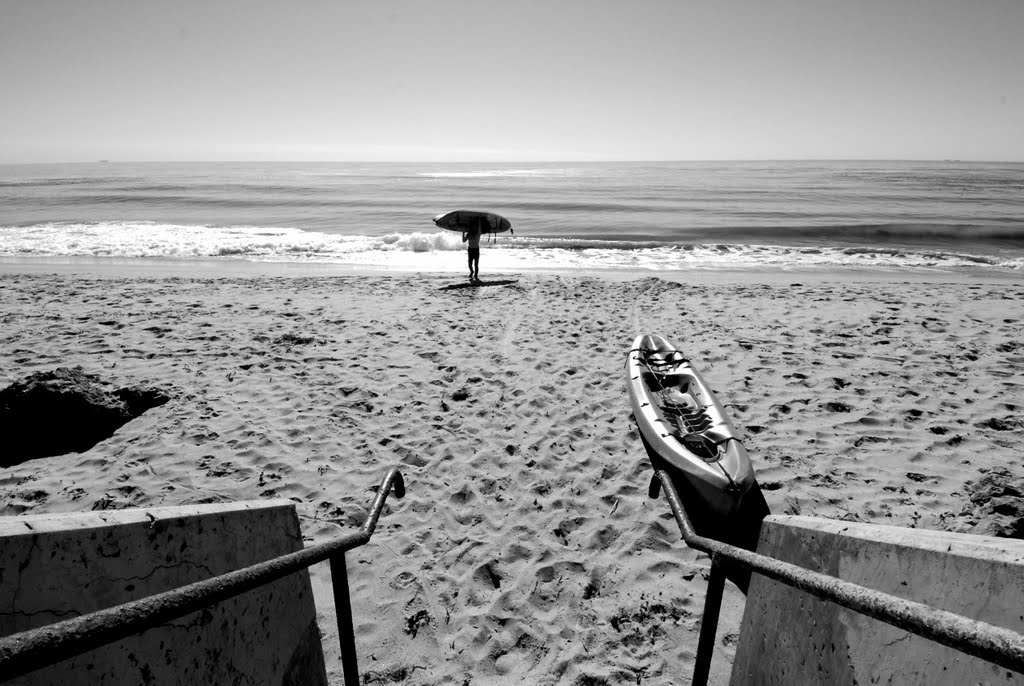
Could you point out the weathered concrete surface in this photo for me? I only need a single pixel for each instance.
(54, 567)
(790, 637)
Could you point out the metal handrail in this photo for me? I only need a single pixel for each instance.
(994, 644)
(27, 651)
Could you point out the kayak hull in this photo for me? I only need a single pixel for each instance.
(684, 426)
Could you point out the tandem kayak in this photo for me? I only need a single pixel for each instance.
(686, 432)
(685, 425)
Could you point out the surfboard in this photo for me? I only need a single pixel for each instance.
(464, 220)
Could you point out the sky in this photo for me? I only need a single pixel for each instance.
(452, 80)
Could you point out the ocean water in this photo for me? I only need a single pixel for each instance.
(632, 217)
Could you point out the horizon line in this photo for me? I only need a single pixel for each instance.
(525, 161)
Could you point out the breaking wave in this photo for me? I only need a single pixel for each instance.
(430, 249)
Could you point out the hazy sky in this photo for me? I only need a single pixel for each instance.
(511, 80)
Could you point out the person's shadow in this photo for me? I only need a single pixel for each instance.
(478, 284)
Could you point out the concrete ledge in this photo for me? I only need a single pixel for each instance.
(790, 637)
(54, 567)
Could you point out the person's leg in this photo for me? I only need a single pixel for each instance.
(470, 255)
(476, 265)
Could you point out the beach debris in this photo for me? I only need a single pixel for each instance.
(650, 621)
(288, 340)
(65, 411)
(294, 339)
(414, 623)
(395, 675)
(111, 502)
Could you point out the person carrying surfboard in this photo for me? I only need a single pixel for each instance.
(473, 249)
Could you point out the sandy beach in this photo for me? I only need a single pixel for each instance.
(526, 549)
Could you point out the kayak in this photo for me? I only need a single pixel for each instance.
(684, 426)
(686, 432)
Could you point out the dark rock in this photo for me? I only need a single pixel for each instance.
(996, 506)
(65, 411)
(1009, 506)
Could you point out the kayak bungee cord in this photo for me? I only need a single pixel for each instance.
(689, 425)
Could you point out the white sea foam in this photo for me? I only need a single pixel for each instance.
(437, 250)
(149, 239)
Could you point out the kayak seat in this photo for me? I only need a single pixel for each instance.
(663, 360)
(689, 421)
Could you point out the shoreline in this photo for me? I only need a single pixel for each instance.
(119, 267)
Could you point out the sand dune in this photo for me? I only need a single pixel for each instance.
(526, 550)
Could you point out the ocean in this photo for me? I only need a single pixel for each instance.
(594, 216)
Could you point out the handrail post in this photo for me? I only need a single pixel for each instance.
(343, 609)
(339, 578)
(29, 650)
(709, 622)
(995, 644)
(716, 581)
